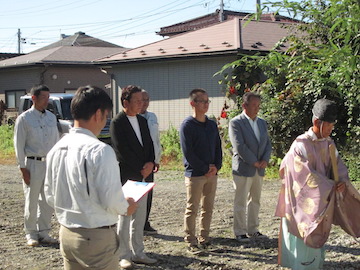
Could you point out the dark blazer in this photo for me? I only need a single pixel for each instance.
(130, 154)
(246, 148)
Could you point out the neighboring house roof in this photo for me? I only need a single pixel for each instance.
(79, 39)
(226, 37)
(61, 55)
(4, 56)
(213, 18)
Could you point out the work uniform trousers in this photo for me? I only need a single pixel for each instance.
(37, 213)
(83, 248)
(202, 190)
(131, 232)
(247, 203)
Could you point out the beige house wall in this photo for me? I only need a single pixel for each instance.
(169, 83)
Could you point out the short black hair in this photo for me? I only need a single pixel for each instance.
(87, 100)
(193, 93)
(128, 91)
(36, 89)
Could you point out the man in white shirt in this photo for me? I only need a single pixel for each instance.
(82, 185)
(251, 153)
(35, 134)
(153, 125)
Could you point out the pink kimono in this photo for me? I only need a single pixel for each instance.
(308, 201)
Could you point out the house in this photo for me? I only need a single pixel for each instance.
(63, 66)
(216, 17)
(169, 69)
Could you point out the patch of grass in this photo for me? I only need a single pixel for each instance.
(7, 152)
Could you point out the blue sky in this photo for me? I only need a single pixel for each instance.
(123, 22)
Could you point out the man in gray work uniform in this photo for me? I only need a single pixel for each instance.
(35, 134)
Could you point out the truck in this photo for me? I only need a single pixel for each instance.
(59, 104)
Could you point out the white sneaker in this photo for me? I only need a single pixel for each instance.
(32, 242)
(144, 260)
(48, 240)
(126, 264)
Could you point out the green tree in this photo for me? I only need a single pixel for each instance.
(321, 60)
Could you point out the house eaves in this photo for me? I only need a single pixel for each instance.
(226, 37)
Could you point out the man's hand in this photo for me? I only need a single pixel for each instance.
(25, 175)
(156, 168)
(132, 206)
(212, 171)
(340, 187)
(263, 164)
(147, 169)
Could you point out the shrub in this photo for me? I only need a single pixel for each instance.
(352, 163)
(171, 154)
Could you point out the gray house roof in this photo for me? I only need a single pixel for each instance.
(61, 55)
(79, 39)
(227, 37)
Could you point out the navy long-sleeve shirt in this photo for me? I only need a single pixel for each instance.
(201, 146)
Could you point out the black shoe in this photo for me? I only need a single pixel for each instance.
(258, 235)
(149, 230)
(242, 238)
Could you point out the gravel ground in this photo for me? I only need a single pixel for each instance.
(342, 252)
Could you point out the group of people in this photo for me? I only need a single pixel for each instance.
(81, 178)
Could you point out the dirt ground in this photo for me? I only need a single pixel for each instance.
(342, 252)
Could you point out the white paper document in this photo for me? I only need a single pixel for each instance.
(136, 190)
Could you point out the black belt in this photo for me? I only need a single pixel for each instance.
(38, 158)
(107, 227)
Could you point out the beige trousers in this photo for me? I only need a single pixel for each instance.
(247, 204)
(202, 190)
(89, 248)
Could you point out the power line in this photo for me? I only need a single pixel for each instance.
(117, 28)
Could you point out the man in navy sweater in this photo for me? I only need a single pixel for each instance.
(201, 146)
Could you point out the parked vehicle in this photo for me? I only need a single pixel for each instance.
(59, 104)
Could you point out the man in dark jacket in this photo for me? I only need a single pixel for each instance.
(134, 149)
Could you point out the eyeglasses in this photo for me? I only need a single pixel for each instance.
(203, 101)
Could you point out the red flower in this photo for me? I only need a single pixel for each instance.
(232, 90)
(223, 114)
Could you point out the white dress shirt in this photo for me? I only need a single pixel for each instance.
(136, 127)
(35, 134)
(83, 183)
(154, 133)
(254, 126)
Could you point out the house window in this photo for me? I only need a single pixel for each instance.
(12, 98)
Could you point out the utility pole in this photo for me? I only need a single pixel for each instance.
(258, 8)
(221, 12)
(19, 41)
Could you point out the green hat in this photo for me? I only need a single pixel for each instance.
(325, 110)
